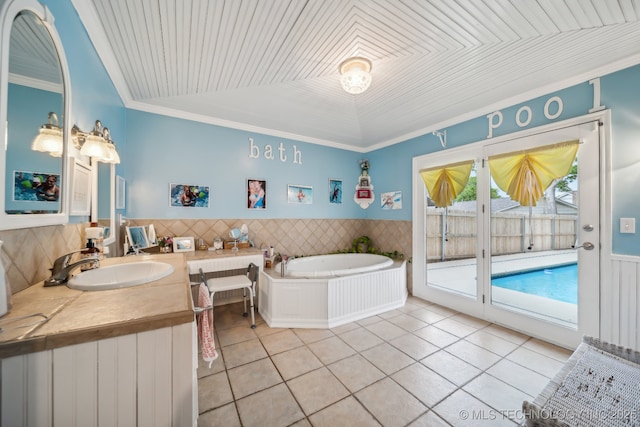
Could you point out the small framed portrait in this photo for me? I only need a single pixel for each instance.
(364, 193)
(364, 181)
(188, 195)
(300, 194)
(335, 190)
(256, 194)
(183, 244)
(391, 200)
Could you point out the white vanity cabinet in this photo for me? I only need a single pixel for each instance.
(142, 379)
(121, 357)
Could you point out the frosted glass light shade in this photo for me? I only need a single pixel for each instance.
(112, 154)
(94, 146)
(355, 75)
(48, 141)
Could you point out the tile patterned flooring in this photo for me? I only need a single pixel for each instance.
(420, 365)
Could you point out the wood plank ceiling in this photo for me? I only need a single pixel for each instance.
(272, 66)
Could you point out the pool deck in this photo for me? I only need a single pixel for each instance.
(460, 276)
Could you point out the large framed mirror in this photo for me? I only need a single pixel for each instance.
(34, 91)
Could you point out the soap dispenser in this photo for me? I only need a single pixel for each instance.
(90, 252)
(5, 289)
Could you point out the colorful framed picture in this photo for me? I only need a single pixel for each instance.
(256, 194)
(363, 193)
(300, 194)
(36, 186)
(391, 200)
(183, 244)
(335, 190)
(187, 195)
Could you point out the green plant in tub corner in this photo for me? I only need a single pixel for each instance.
(363, 244)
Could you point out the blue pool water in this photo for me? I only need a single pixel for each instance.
(558, 283)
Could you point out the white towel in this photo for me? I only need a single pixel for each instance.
(205, 326)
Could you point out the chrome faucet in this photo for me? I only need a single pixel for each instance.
(61, 270)
(284, 260)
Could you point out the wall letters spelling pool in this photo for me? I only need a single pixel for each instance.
(552, 110)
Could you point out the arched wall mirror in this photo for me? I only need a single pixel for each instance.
(34, 82)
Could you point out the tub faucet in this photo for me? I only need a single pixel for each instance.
(61, 270)
(283, 260)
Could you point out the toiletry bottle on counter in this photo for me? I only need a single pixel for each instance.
(97, 234)
(90, 252)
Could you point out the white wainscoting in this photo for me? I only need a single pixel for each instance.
(144, 379)
(620, 302)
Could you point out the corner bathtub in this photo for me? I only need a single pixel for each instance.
(326, 291)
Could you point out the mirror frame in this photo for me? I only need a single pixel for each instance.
(9, 9)
(112, 200)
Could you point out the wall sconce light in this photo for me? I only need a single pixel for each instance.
(96, 144)
(355, 74)
(49, 138)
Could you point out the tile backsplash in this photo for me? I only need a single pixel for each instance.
(29, 253)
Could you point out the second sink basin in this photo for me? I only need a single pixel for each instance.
(120, 276)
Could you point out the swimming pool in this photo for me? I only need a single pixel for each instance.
(558, 283)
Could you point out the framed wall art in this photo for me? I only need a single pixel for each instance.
(300, 194)
(335, 190)
(36, 186)
(391, 200)
(188, 195)
(256, 194)
(81, 178)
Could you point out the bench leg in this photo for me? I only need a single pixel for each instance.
(253, 317)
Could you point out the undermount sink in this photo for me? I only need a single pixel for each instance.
(120, 276)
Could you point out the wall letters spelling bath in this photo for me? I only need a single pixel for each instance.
(254, 152)
(525, 114)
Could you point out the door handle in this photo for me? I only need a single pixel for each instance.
(586, 245)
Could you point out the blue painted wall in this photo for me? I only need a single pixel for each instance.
(620, 92)
(93, 95)
(164, 150)
(159, 150)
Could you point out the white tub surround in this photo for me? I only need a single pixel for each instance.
(334, 265)
(327, 302)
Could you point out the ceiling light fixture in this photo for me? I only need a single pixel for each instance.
(49, 138)
(355, 74)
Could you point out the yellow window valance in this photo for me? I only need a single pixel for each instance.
(525, 175)
(444, 183)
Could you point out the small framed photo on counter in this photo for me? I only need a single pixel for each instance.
(184, 244)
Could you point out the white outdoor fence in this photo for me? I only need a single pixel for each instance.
(452, 235)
